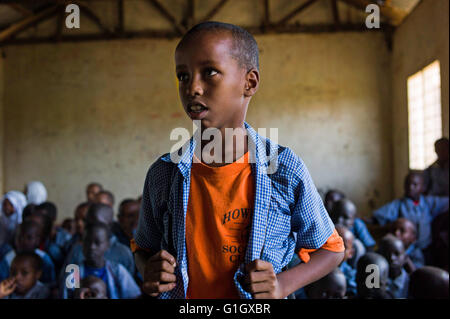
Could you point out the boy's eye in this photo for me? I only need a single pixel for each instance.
(182, 76)
(211, 72)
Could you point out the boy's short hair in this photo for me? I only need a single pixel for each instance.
(109, 194)
(91, 227)
(245, 48)
(99, 209)
(35, 259)
(125, 202)
(94, 184)
(50, 208)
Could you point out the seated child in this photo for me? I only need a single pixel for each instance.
(348, 271)
(44, 221)
(119, 282)
(429, 283)
(92, 190)
(91, 288)
(79, 218)
(11, 208)
(128, 219)
(68, 225)
(391, 248)
(344, 212)
(26, 269)
(58, 235)
(418, 208)
(101, 213)
(27, 240)
(332, 286)
(378, 287)
(439, 245)
(332, 197)
(105, 197)
(405, 230)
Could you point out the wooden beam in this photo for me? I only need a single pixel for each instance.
(170, 34)
(167, 15)
(189, 19)
(214, 10)
(294, 12)
(60, 23)
(335, 10)
(85, 9)
(20, 8)
(27, 22)
(120, 12)
(266, 20)
(394, 15)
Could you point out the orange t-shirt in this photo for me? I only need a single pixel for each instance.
(218, 222)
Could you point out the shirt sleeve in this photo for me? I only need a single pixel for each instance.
(148, 235)
(310, 219)
(387, 213)
(362, 233)
(334, 244)
(438, 205)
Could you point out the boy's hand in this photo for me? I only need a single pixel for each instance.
(7, 287)
(262, 281)
(159, 274)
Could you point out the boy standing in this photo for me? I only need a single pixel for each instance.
(227, 231)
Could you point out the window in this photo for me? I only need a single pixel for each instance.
(424, 115)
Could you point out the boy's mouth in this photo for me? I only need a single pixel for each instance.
(197, 110)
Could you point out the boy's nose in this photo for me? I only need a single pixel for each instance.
(194, 88)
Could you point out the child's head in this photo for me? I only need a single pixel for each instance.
(95, 244)
(348, 238)
(92, 287)
(69, 225)
(43, 220)
(414, 185)
(105, 197)
(26, 268)
(405, 230)
(99, 213)
(92, 190)
(28, 237)
(217, 65)
(332, 286)
(331, 197)
(441, 147)
(377, 267)
(80, 217)
(7, 207)
(391, 248)
(428, 283)
(344, 213)
(49, 209)
(128, 215)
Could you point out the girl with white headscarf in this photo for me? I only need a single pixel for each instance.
(36, 193)
(10, 218)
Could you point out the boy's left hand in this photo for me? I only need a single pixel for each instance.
(262, 281)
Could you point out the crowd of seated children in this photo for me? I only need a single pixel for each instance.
(35, 250)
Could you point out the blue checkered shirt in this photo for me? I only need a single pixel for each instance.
(288, 211)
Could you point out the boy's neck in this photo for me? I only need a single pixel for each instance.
(233, 148)
(96, 263)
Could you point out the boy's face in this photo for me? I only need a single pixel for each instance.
(442, 150)
(25, 274)
(7, 207)
(128, 219)
(347, 216)
(95, 244)
(209, 76)
(394, 252)
(414, 186)
(91, 192)
(404, 230)
(103, 198)
(348, 244)
(95, 290)
(331, 198)
(29, 239)
(80, 216)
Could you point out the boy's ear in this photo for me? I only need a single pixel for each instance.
(39, 274)
(251, 83)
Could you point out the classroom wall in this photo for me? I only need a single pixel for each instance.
(421, 39)
(103, 111)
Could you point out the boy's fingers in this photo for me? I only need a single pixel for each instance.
(163, 255)
(257, 276)
(153, 288)
(258, 265)
(163, 265)
(260, 287)
(162, 276)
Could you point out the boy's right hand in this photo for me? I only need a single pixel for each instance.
(159, 274)
(7, 287)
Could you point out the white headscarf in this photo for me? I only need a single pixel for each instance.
(8, 224)
(36, 193)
